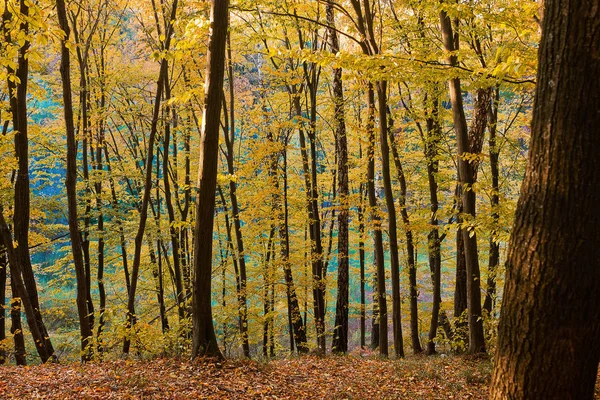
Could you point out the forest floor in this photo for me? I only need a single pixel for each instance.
(350, 377)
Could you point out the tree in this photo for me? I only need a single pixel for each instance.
(85, 314)
(550, 318)
(340, 330)
(204, 341)
(20, 263)
(145, 202)
(466, 175)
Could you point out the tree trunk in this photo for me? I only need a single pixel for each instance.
(391, 211)
(433, 238)
(494, 256)
(378, 236)
(174, 232)
(410, 245)
(85, 323)
(550, 318)
(340, 330)
(22, 205)
(229, 134)
(16, 328)
(204, 341)
(467, 177)
(361, 257)
(3, 267)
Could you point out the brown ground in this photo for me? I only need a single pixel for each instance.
(351, 377)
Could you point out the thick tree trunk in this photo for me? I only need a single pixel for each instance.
(204, 341)
(550, 318)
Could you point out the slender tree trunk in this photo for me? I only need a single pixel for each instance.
(139, 237)
(550, 316)
(16, 328)
(391, 211)
(466, 176)
(377, 237)
(361, 258)
(340, 330)
(494, 256)
(204, 342)
(3, 267)
(173, 231)
(115, 207)
(229, 134)
(22, 207)
(433, 239)
(85, 323)
(280, 205)
(99, 204)
(267, 280)
(19, 299)
(410, 245)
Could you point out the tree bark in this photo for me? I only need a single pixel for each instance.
(494, 255)
(22, 204)
(381, 300)
(410, 245)
(550, 318)
(392, 225)
(16, 327)
(204, 341)
(85, 326)
(434, 136)
(3, 267)
(229, 134)
(466, 176)
(340, 330)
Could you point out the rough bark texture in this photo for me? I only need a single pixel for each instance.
(204, 341)
(340, 330)
(550, 319)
